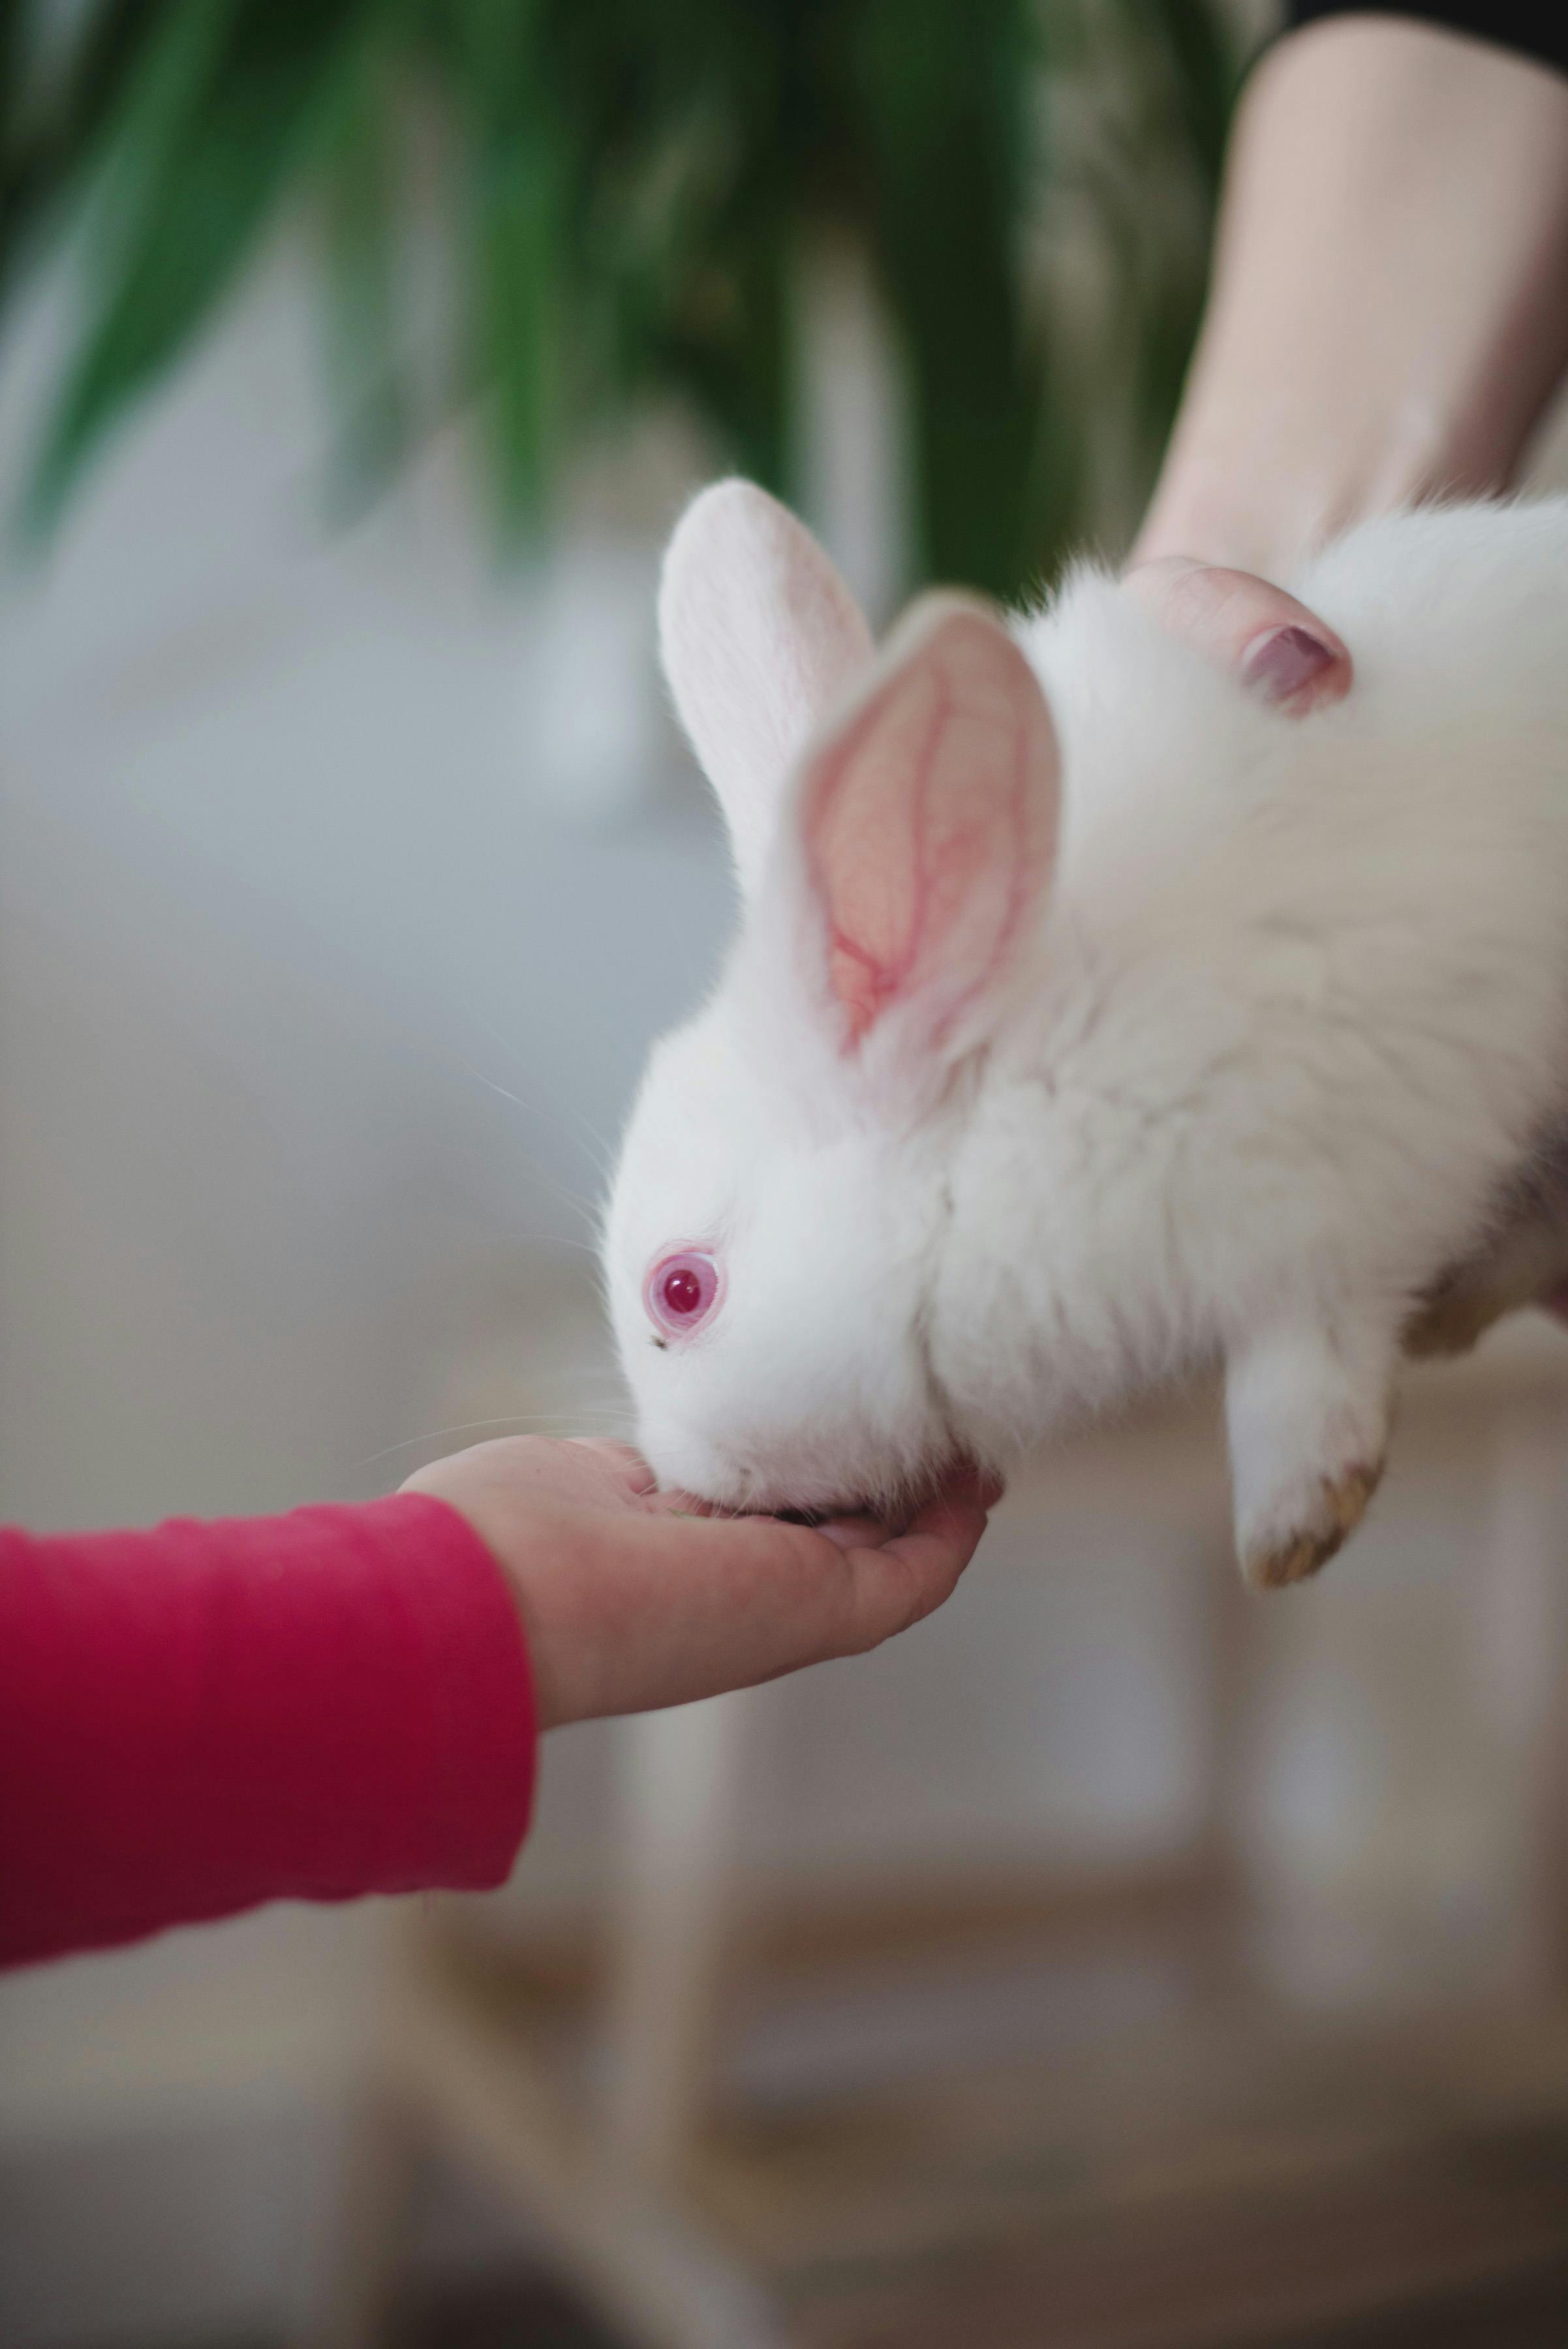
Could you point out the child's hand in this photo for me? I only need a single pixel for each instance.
(632, 1598)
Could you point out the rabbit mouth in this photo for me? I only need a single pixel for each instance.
(894, 1509)
(895, 1516)
(867, 1482)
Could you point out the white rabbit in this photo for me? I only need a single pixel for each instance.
(1089, 1021)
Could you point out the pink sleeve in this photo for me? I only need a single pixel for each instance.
(204, 1716)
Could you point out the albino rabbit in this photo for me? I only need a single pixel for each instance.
(1089, 1021)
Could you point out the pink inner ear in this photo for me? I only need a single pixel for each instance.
(930, 826)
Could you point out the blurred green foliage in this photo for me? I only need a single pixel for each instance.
(625, 190)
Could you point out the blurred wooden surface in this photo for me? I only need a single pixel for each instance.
(1171, 2150)
(1518, 2311)
(1225, 2173)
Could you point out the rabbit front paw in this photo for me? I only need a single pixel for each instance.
(1308, 1407)
(1322, 1525)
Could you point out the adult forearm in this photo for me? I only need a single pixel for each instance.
(1389, 312)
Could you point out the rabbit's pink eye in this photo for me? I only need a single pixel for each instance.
(682, 1290)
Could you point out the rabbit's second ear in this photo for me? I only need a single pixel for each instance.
(759, 637)
(928, 818)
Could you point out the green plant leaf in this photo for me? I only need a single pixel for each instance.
(364, 143)
(52, 117)
(221, 113)
(511, 151)
(630, 187)
(944, 94)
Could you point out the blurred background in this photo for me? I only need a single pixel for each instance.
(1112, 1964)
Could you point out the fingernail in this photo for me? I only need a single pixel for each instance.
(1280, 665)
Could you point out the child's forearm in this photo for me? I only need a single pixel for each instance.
(1389, 314)
(200, 1717)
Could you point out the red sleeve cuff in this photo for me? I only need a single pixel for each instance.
(201, 1717)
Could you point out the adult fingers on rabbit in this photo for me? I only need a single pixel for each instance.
(1270, 643)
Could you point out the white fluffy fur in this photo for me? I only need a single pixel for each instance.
(1291, 1017)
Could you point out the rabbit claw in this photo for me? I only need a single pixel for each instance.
(1340, 1506)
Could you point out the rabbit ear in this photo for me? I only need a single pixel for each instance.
(759, 636)
(928, 817)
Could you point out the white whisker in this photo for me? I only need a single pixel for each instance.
(567, 1422)
(602, 1151)
(541, 1175)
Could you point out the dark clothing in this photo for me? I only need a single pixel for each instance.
(1533, 27)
